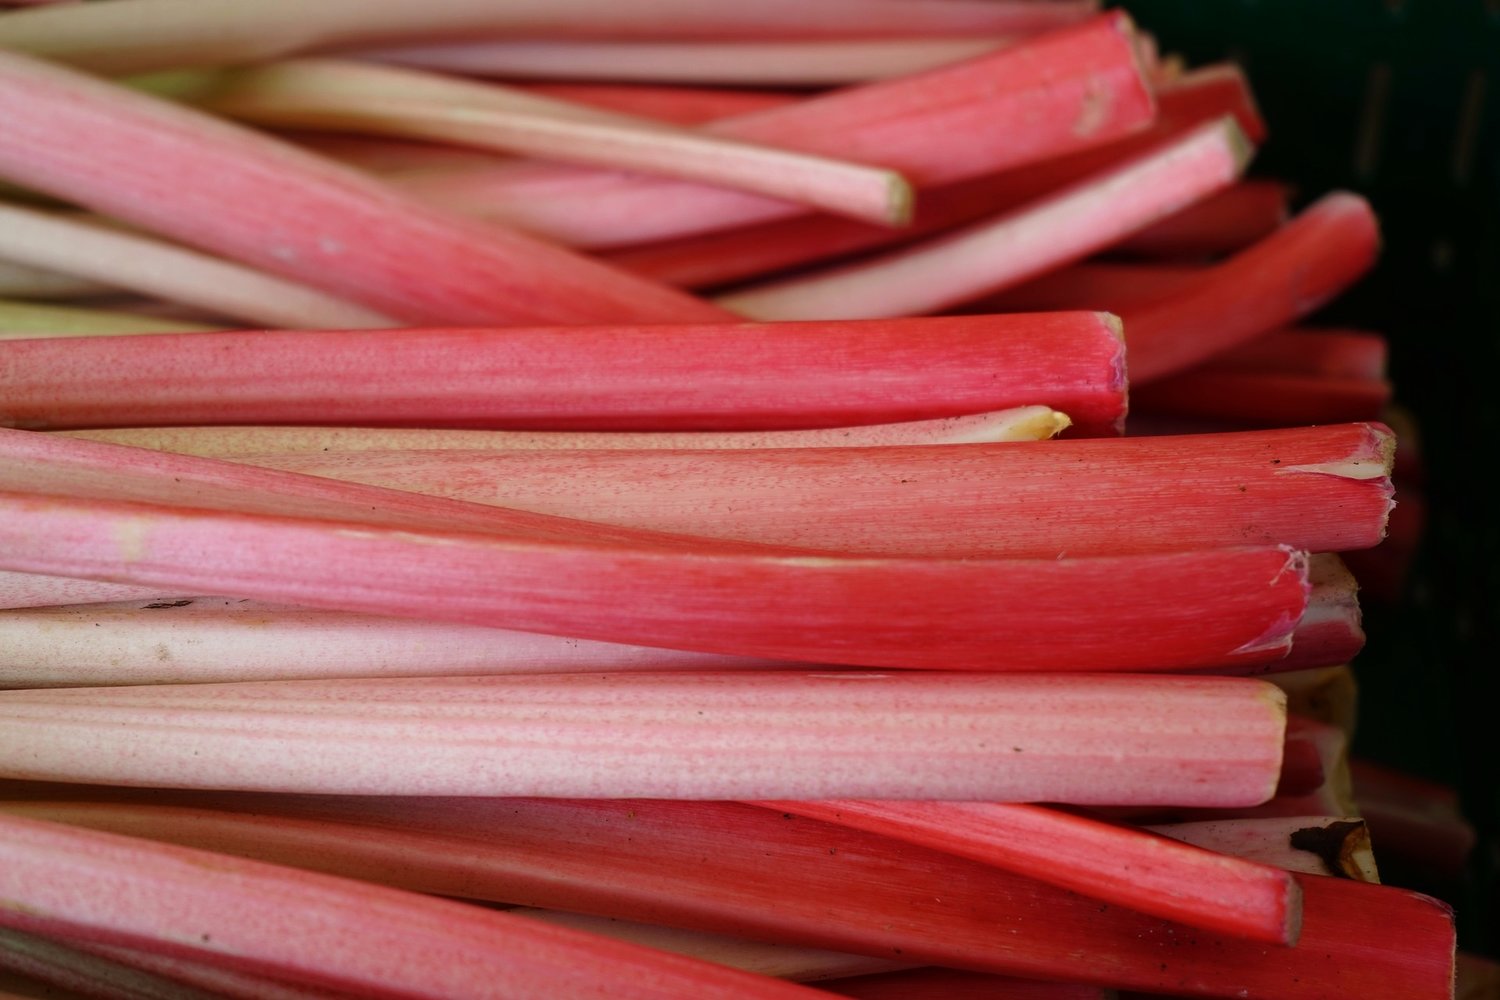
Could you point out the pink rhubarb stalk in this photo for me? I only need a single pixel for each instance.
(677, 105)
(752, 63)
(1064, 91)
(151, 267)
(155, 34)
(757, 734)
(348, 96)
(685, 377)
(248, 197)
(1312, 845)
(1117, 864)
(1322, 489)
(1022, 423)
(993, 255)
(1225, 607)
(90, 886)
(703, 865)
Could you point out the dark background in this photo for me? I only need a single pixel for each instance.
(1400, 101)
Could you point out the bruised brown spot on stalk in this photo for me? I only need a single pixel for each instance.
(1335, 845)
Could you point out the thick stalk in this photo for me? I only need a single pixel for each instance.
(1321, 489)
(758, 734)
(684, 377)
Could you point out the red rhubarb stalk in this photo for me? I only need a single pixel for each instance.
(1022, 423)
(151, 267)
(80, 884)
(1274, 283)
(1117, 864)
(1330, 631)
(166, 34)
(758, 734)
(1321, 489)
(349, 96)
(754, 63)
(1252, 398)
(685, 377)
(248, 197)
(996, 254)
(1064, 91)
(1225, 607)
(703, 865)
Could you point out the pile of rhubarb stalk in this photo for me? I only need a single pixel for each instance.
(585, 499)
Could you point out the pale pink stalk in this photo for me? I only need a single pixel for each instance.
(152, 267)
(208, 639)
(752, 63)
(26, 320)
(1322, 489)
(266, 919)
(704, 865)
(759, 734)
(1117, 864)
(32, 590)
(350, 96)
(688, 377)
(1068, 90)
(143, 35)
(1022, 423)
(994, 255)
(243, 195)
(1313, 845)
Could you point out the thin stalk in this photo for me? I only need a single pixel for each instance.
(1117, 864)
(703, 865)
(1312, 351)
(1227, 607)
(1023, 423)
(25, 320)
(678, 378)
(1313, 845)
(262, 918)
(1118, 287)
(753, 63)
(1067, 90)
(991, 256)
(1321, 489)
(349, 96)
(207, 639)
(248, 197)
(755, 734)
(1273, 284)
(145, 35)
(152, 267)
